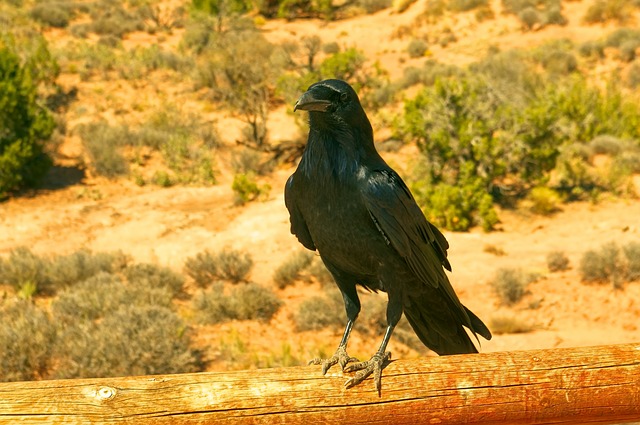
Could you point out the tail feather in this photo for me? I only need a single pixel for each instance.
(442, 336)
(441, 329)
(477, 326)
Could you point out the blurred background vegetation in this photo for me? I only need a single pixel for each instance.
(518, 128)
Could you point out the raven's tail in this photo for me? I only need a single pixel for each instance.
(440, 327)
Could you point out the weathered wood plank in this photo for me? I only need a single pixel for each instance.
(563, 386)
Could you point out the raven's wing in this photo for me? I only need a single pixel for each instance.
(420, 243)
(298, 225)
(400, 220)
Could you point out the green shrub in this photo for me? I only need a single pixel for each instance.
(247, 301)
(319, 272)
(465, 5)
(247, 189)
(320, 312)
(603, 265)
(25, 271)
(163, 179)
(212, 306)
(633, 75)
(602, 11)
(456, 207)
(620, 36)
(67, 270)
(290, 270)
(104, 294)
(557, 261)
(544, 200)
(251, 301)
(26, 125)
(531, 12)
(54, 14)
(417, 48)
(628, 50)
(632, 254)
(202, 268)
(153, 276)
(510, 285)
(133, 340)
(101, 142)
(249, 161)
(606, 145)
(26, 337)
(508, 324)
(481, 146)
(228, 264)
(530, 17)
(593, 49)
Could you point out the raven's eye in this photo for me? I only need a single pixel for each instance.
(343, 97)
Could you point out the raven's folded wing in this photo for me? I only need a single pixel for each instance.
(298, 225)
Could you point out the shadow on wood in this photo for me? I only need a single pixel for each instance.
(568, 386)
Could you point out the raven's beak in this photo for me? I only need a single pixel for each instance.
(309, 103)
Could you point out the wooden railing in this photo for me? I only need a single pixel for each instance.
(568, 386)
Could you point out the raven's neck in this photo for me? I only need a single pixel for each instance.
(338, 153)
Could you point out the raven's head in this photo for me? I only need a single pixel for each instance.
(333, 103)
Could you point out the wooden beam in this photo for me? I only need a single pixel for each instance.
(568, 386)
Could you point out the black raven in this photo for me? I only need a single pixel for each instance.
(345, 202)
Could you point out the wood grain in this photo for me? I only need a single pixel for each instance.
(560, 386)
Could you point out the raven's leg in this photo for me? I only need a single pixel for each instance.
(352, 307)
(341, 357)
(381, 357)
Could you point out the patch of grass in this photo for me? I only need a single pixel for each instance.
(557, 261)
(133, 340)
(26, 337)
(510, 285)
(290, 271)
(509, 324)
(228, 264)
(247, 301)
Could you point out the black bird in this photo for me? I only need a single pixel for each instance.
(345, 202)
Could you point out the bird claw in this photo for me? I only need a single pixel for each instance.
(340, 357)
(364, 369)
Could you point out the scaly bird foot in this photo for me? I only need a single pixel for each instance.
(340, 357)
(374, 365)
